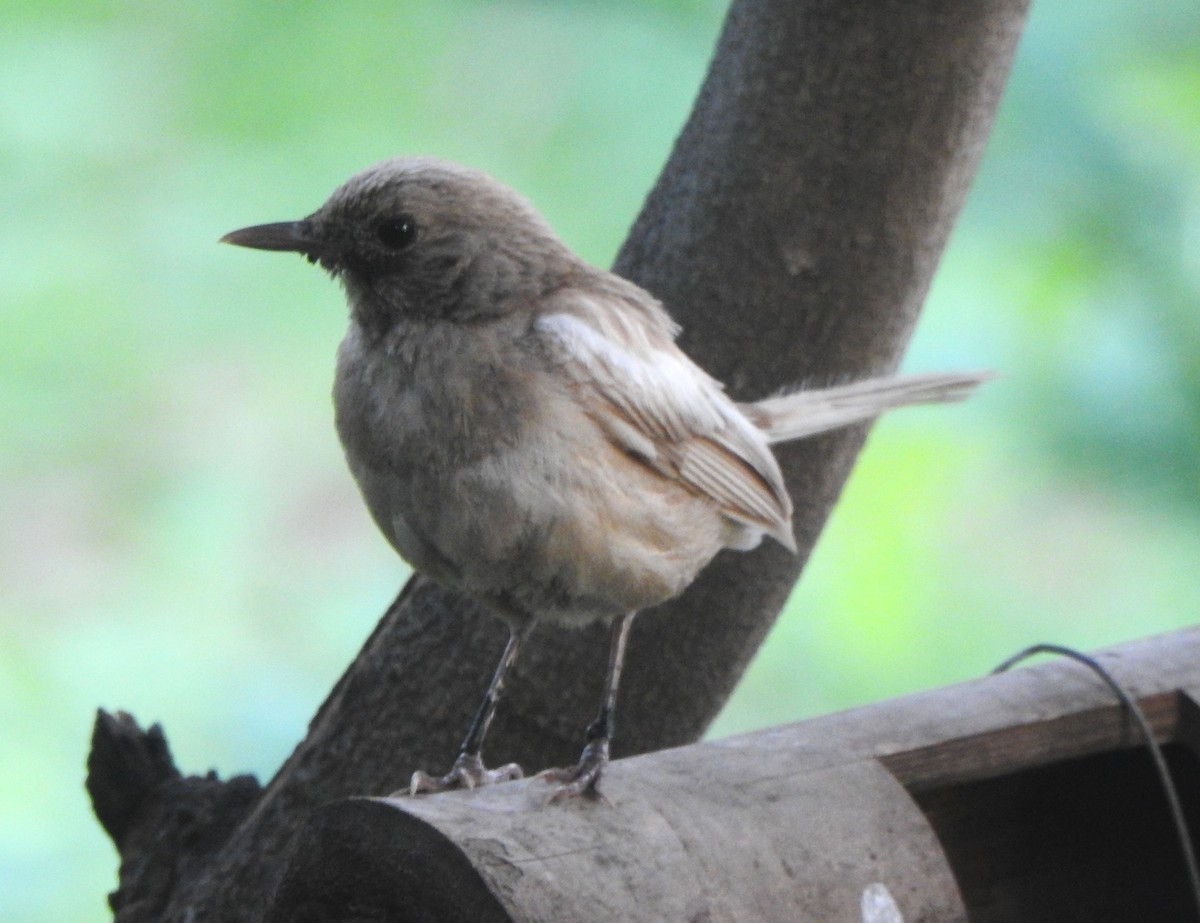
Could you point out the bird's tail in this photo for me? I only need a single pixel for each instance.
(806, 413)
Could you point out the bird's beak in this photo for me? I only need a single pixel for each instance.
(295, 236)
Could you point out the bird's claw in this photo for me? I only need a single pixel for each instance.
(582, 779)
(468, 772)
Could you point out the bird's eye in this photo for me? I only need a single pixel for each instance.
(396, 233)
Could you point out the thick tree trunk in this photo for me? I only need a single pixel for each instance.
(793, 233)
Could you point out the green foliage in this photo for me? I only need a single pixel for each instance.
(178, 535)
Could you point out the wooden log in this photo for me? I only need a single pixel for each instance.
(865, 815)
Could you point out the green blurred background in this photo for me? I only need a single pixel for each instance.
(178, 536)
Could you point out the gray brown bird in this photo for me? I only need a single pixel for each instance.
(524, 429)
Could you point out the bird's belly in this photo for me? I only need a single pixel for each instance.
(586, 540)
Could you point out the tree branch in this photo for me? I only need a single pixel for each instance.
(937, 802)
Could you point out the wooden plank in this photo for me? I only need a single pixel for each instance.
(1040, 743)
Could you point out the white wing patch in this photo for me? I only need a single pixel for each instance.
(657, 404)
(662, 392)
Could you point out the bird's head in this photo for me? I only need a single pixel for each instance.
(422, 238)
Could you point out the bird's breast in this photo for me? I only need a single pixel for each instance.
(484, 471)
(420, 414)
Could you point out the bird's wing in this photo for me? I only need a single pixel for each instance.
(662, 408)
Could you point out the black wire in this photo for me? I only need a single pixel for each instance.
(1139, 717)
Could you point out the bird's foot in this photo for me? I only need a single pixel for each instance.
(582, 779)
(468, 772)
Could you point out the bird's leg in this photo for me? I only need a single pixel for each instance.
(468, 770)
(582, 778)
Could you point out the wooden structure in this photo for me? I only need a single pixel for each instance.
(1022, 796)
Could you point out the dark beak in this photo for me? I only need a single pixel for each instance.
(295, 236)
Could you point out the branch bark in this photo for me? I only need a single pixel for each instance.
(794, 233)
(812, 821)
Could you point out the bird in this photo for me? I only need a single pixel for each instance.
(524, 428)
